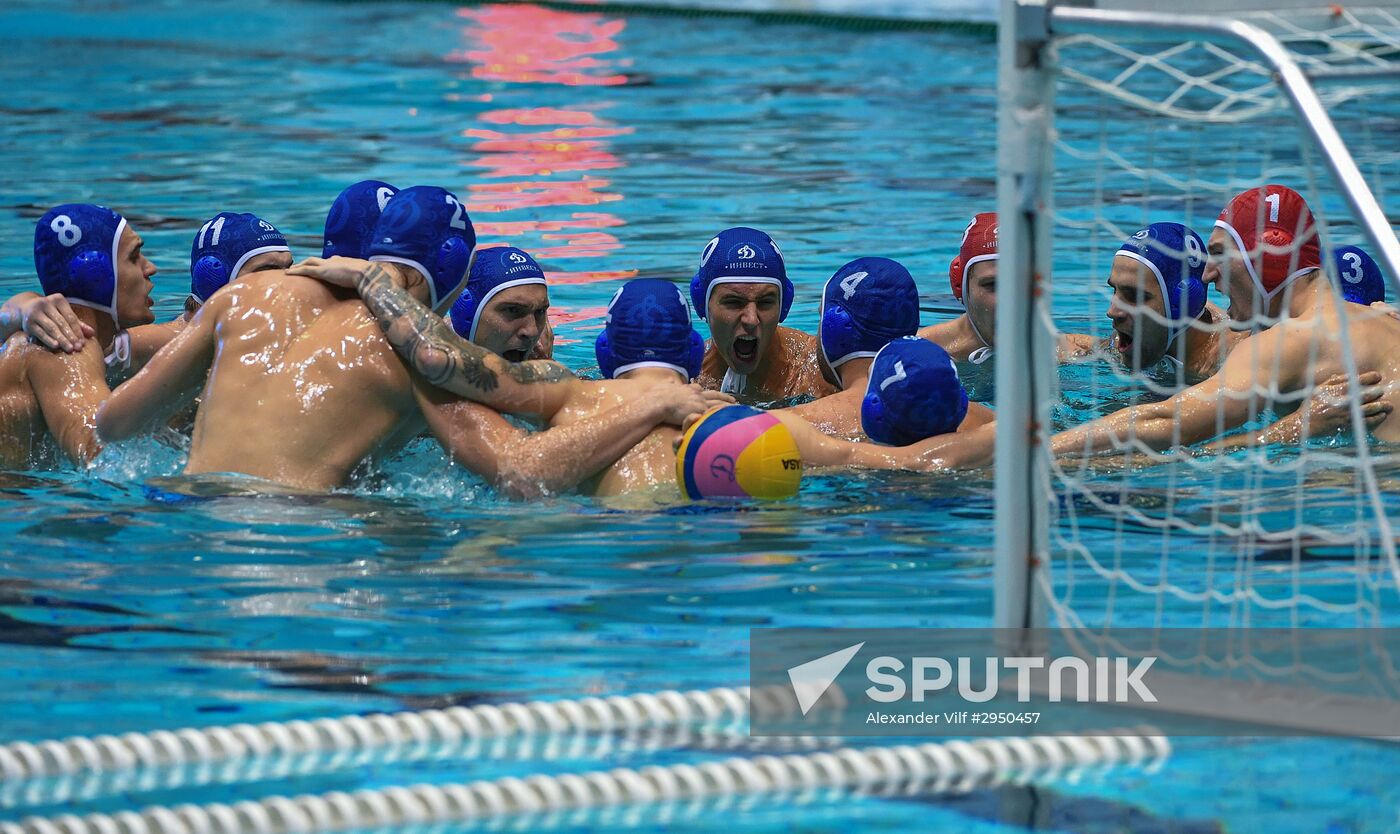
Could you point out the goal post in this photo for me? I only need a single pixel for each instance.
(1208, 107)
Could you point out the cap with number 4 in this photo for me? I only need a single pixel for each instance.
(868, 302)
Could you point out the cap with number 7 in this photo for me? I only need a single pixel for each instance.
(914, 392)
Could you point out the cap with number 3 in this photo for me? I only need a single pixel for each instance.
(1361, 280)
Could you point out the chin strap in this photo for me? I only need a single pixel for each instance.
(734, 384)
(982, 354)
(119, 357)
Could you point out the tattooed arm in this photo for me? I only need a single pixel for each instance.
(427, 343)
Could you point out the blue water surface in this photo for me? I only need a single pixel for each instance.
(610, 145)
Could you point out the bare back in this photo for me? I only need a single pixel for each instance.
(303, 385)
(22, 424)
(1375, 345)
(651, 462)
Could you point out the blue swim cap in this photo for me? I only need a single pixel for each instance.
(865, 305)
(914, 392)
(427, 228)
(1177, 257)
(1359, 274)
(223, 245)
(350, 222)
(495, 269)
(75, 253)
(648, 326)
(740, 256)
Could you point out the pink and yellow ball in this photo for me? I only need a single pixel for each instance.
(738, 452)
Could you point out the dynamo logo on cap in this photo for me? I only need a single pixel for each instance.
(751, 257)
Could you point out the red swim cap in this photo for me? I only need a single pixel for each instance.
(1275, 233)
(979, 244)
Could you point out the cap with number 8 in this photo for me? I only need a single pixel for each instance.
(75, 253)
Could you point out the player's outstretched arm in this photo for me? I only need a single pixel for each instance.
(1261, 364)
(169, 382)
(531, 464)
(1326, 412)
(956, 450)
(425, 341)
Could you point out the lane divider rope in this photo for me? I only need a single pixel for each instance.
(956, 766)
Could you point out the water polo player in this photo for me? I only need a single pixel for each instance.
(1264, 251)
(505, 305)
(866, 304)
(329, 389)
(742, 291)
(912, 407)
(228, 246)
(94, 259)
(501, 309)
(972, 274)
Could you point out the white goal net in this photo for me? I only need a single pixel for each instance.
(1291, 521)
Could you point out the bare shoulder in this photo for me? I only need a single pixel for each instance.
(589, 396)
(278, 287)
(801, 373)
(940, 331)
(797, 340)
(85, 365)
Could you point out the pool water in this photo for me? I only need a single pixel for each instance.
(610, 145)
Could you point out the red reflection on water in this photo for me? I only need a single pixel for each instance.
(582, 314)
(537, 45)
(539, 116)
(579, 245)
(519, 169)
(589, 277)
(529, 164)
(577, 220)
(542, 154)
(492, 197)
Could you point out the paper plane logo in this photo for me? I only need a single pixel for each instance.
(811, 679)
